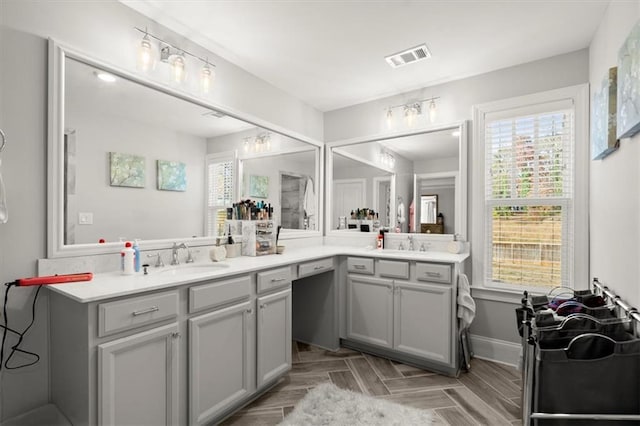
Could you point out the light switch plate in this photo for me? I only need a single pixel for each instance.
(85, 218)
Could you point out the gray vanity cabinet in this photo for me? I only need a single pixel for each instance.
(422, 324)
(138, 378)
(273, 323)
(221, 360)
(402, 309)
(370, 310)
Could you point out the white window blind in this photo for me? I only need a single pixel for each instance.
(220, 183)
(529, 191)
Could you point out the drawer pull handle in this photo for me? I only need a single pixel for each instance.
(145, 311)
(278, 280)
(359, 266)
(315, 268)
(433, 274)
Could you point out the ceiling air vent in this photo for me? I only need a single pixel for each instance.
(409, 56)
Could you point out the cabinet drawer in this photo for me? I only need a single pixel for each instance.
(315, 267)
(273, 279)
(218, 293)
(126, 314)
(393, 269)
(360, 265)
(433, 272)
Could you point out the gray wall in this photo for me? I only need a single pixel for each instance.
(495, 318)
(614, 197)
(104, 30)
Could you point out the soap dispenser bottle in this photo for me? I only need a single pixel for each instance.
(136, 256)
(127, 256)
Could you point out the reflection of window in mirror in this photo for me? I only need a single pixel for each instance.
(428, 208)
(219, 191)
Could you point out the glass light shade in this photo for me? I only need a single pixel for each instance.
(432, 111)
(178, 69)
(389, 119)
(145, 54)
(207, 76)
(409, 115)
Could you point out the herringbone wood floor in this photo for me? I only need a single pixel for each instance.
(487, 395)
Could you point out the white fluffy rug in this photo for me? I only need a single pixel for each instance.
(329, 405)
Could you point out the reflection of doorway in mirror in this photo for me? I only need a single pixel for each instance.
(428, 208)
(292, 191)
(348, 195)
(382, 199)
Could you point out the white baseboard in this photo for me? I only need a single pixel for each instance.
(496, 350)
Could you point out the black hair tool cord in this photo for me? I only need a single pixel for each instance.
(16, 348)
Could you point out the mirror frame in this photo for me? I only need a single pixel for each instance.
(461, 195)
(56, 248)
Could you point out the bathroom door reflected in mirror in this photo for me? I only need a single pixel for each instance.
(132, 160)
(431, 162)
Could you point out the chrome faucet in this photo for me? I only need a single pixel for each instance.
(400, 246)
(174, 253)
(410, 243)
(423, 248)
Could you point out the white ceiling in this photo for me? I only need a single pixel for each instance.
(330, 53)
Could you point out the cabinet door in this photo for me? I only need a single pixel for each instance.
(370, 310)
(138, 378)
(221, 360)
(274, 336)
(423, 320)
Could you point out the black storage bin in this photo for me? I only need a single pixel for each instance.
(594, 374)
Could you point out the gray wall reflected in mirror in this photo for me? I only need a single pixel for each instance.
(146, 125)
(423, 163)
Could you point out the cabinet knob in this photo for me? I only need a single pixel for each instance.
(249, 311)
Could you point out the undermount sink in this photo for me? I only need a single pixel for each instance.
(191, 268)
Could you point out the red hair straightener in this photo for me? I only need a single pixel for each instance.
(55, 279)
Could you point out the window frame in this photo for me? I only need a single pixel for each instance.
(577, 216)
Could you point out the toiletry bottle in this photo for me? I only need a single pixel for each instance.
(127, 256)
(136, 256)
(379, 240)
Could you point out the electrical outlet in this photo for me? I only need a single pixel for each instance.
(85, 218)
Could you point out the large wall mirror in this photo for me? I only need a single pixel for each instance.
(131, 159)
(415, 181)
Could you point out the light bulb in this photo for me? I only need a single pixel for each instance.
(206, 78)
(178, 68)
(145, 57)
(246, 145)
(409, 115)
(389, 119)
(432, 111)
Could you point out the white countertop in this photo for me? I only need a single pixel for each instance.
(114, 284)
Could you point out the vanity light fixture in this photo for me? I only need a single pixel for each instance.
(176, 58)
(260, 143)
(387, 159)
(411, 111)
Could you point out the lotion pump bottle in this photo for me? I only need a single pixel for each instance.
(127, 256)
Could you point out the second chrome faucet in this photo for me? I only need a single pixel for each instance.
(174, 253)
